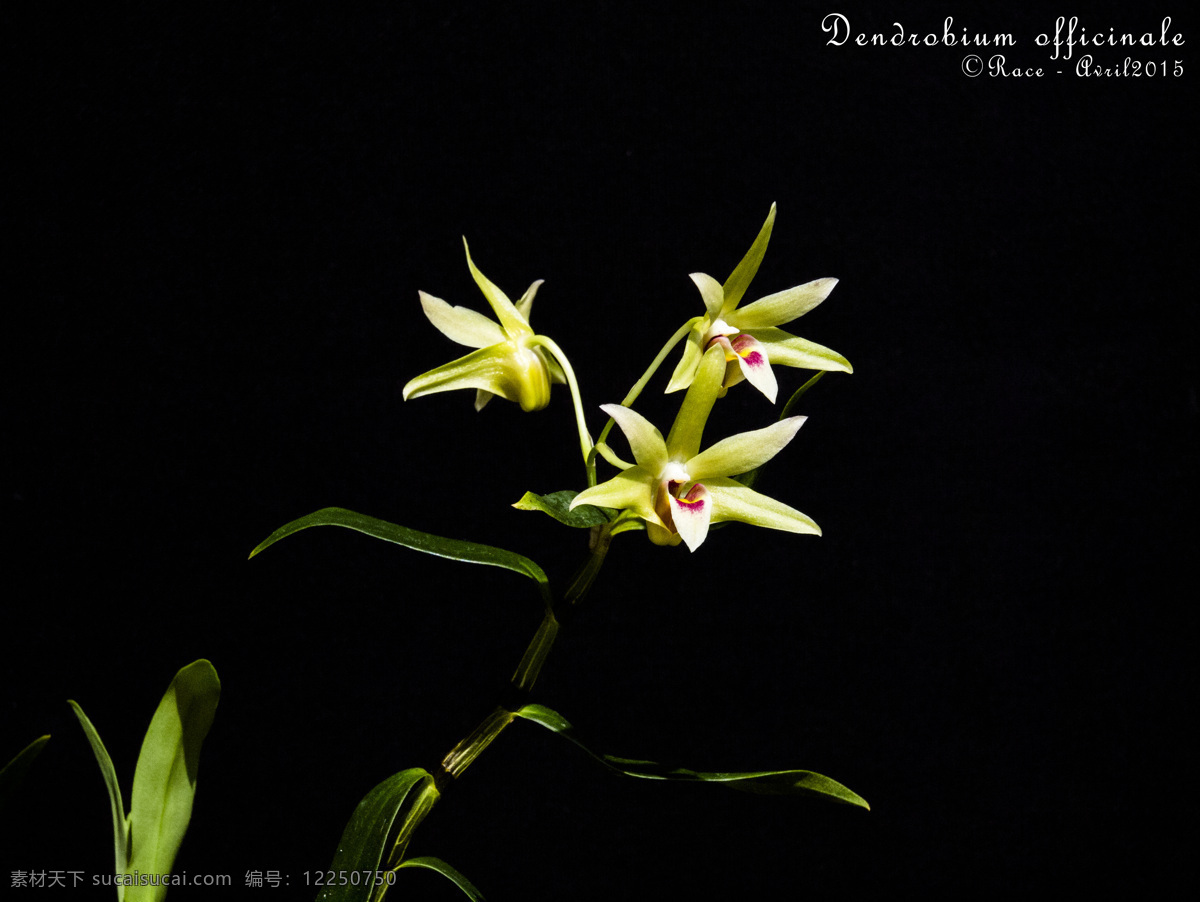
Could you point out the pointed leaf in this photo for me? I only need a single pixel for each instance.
(751, 477)
(794, 401)
(454, 549)
(366, 836)
(436, 864)
(164, 784)
(14, 771)
(120, 823)
(558, 506)
(772, 782)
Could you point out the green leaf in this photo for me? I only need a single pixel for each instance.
(750, 478)
(454, 549)
(436, 864)
(365, 838)
(558, 506)
(771, 782)
(12, 773)
(120, 822)
(790, 407)
(164, 783)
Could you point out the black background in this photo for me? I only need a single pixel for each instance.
(217, 226)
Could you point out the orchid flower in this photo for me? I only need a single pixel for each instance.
(679, 490)
(510, 361)
(749, 336)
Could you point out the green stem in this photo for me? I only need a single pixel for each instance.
(459, 758)
(585, 440)
(646, 376)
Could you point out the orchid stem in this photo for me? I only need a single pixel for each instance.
(585, 440)
(642, 382)
(459, 758)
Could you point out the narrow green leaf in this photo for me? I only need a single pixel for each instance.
(790, 407)
(365, 838)
(454, 549)
(120, 823)
(14, 771)
(164, 783)
(771, 782)
(750, 478)
(558, 506)
(436, 864)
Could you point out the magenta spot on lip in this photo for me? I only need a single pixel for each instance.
(693, 502)
(754, 358)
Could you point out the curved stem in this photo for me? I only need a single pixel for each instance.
(585, 440)
(680, 333)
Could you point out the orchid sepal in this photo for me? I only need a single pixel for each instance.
(733, 501)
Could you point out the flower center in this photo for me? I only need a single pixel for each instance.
(719, 329)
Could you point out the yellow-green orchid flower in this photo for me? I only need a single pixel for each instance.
(510, 361)
(749, 336)
(679, 490)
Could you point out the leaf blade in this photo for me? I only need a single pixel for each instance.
(558, 506)
(11, 773)
(120, 822)
(164, 783)
(364, 839)
(768, 782)
(455, 877)
(426, 543)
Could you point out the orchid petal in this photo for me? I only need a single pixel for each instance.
(461, 324)
(482, 396)
(485, 368)
(510, 318)
(688, 428)
(782, 307)
(628, 490)
(792, 350)
(660, 535)
(754, 365)
(711, 291)
(691, 516)
(526, 303)
(685, 370)
(743, 452)
(645, 441)
(739, 280)
(514, 374)
(734, 501)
